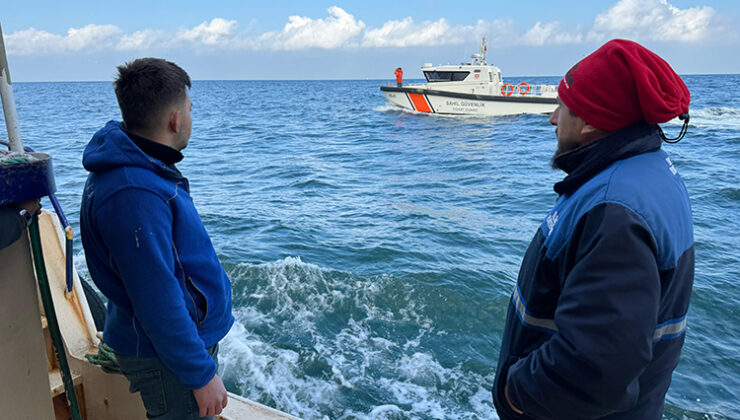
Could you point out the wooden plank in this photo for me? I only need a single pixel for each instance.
(56, 385)
(24, 383)
(240, 408)
(61, 409)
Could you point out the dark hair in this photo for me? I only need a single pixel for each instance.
(146, 87)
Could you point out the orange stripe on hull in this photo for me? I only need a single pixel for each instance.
(420, 103)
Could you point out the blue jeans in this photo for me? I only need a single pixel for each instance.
(164, 397)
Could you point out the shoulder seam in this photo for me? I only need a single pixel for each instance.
(130, 187)
(614, 168)
(626, 206)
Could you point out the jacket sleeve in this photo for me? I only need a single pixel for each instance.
(606, 317)
(136, 226)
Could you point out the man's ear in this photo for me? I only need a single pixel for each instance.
(591, 133)
(589, 130)
(175, 121)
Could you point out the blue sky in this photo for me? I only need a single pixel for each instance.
(85, 40)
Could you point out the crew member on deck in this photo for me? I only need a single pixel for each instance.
(597, 317)
(169, 298)
(399, 76)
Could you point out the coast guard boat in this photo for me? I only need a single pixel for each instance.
(471, 88)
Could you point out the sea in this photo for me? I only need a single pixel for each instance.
(373, 251)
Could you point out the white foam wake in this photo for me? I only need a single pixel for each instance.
(391, 109)
(318, 343)
(719, 117)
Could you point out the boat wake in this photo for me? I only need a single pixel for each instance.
(720, 117)
(322, 344)
(395, 110)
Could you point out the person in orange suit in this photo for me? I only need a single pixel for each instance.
(399, 76)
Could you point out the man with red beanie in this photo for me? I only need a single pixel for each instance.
(597, 318)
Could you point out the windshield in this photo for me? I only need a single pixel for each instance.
(446, 76)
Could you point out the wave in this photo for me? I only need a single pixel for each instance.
(713, 117)
(322, 343)
(391, 109)
(394, 109)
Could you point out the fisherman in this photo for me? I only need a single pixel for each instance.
(399, 76)
(148, 251)
(597, 318)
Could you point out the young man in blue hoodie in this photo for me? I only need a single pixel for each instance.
(169, 299)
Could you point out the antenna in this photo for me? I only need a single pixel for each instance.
(483, 49)
(480, 58)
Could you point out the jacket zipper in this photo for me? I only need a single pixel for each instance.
(205, 301)
(188, 279)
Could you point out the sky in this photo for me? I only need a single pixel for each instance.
(84, 40)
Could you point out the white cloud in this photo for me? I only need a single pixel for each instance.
(499, 32)
(654, 20)
(144, 40)
(549, 33)
(641, 20)
(301, 32)
(215, 32)
(406, 33)
(30, 41)
(89, 38)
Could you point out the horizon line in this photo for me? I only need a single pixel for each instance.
(325, 80)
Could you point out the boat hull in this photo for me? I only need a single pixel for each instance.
(440, 102)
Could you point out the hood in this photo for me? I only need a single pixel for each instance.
(111, 148)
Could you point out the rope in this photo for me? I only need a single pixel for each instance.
(51, 317)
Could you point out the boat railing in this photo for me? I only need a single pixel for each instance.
(413, 85)
(534, 90)
(519, 90)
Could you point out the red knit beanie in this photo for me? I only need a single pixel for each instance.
(622, 83)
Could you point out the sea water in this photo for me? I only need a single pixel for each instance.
(373, 251)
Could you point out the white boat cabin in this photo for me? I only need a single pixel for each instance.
(464, 78)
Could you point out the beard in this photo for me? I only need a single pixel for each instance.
(563, 148)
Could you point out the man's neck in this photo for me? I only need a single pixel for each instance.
(153, 135)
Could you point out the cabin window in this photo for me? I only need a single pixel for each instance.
(446, 76)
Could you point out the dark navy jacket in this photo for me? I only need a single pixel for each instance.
(597, 318)
(149, 253)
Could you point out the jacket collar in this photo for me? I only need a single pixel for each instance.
(585, 162)
(154, 149)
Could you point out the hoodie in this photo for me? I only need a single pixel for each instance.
(149, 253)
